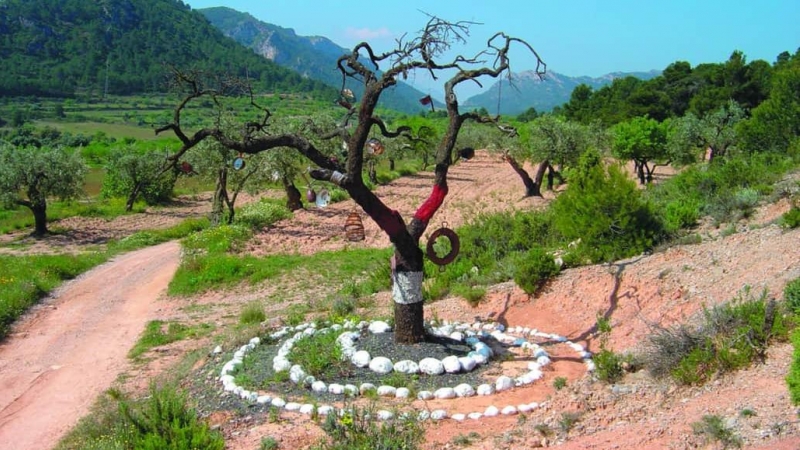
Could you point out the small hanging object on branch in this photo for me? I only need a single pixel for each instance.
(346, 99)
(427, 100)
(323, 198)
(455, 246)
(186, 168)
(354, 228)
(375, 147)
(311, 195)
(238, 163)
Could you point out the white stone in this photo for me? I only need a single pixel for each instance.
(543, 360)
(423, 416)
(458, 417)
(451, 364)
(217, 350)
(524, 408)
(533, 365)
(457, 335)
(425, 395)
(255, 341)
(336, 389)
(533, 405)
(590, 366)
(503, 383)
(292, 406)
(467, 363)
(464, 390)
(225, 379)
(445, 393)
(539, 352)
(297, 374)
(281, 364)
(379, 326)
(509, 411)
(406, 366)
(319, 386)
(387, 391)
(309, 380)
(486, 389)
(385, 415)
(309, 331)
(307, 408)
(239, 354)
(431, 366)
(263, 399)
(438, 414)
(366, 387)
(475, 416)
(350, 389)
(402, 392)
(381, 365)
(324, 410)
(479, 358)
(361, 358)
(491, 411)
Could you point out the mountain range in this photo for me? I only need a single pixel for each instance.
(315, 57)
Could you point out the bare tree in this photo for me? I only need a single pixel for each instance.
(426, 52)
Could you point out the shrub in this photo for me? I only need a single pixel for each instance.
(355, 429)
(793, 378)
(791, 218)
(727, 337)
(791, 295)
(713, 428)
(534, 269)
(321, 356)
(252, 313)
(262, 214)
(608, 366)
(603, 208)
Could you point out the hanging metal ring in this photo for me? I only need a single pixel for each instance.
(455, 246)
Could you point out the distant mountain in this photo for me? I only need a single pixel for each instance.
(526, 90)
(312, 56)
(68, 47)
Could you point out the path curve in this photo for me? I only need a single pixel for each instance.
(64, 355)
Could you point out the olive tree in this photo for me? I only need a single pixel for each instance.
(28, 176)
(377, 72)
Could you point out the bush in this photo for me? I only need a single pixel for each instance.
(603, 208)
(791, 295)
(727, 337)
(262, 214)
(357, 430)
(534, 269)
(221, 239)
(793, 379)
(791, 218)
(252, 313)
(608, 366)
(128, 166)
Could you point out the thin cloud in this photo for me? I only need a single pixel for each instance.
(368, 34)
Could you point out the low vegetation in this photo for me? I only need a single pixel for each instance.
(356, 430)
(726, 337)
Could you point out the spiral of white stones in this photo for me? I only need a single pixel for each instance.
(470, 334)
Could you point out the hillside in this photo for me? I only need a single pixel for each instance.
(526, 89)
(312, 56)
(70, 47)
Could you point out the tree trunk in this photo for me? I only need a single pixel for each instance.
(220, 195)
(294, 200)
(543, 167)
(531, 187)
(132, 197)
(407, 279)
(391, 163)
(39, 211)
(640, 172)
(373, 174)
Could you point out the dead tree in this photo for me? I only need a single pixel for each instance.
(378, 72)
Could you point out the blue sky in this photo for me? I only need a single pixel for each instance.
(589, 37)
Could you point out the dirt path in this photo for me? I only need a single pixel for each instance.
(68, 351)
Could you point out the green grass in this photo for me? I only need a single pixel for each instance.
(204, 272)
(27, 279)
(158, 333)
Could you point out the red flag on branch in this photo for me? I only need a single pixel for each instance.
(427, 100)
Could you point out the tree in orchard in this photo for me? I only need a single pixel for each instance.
(28, 176)
(377, 71)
